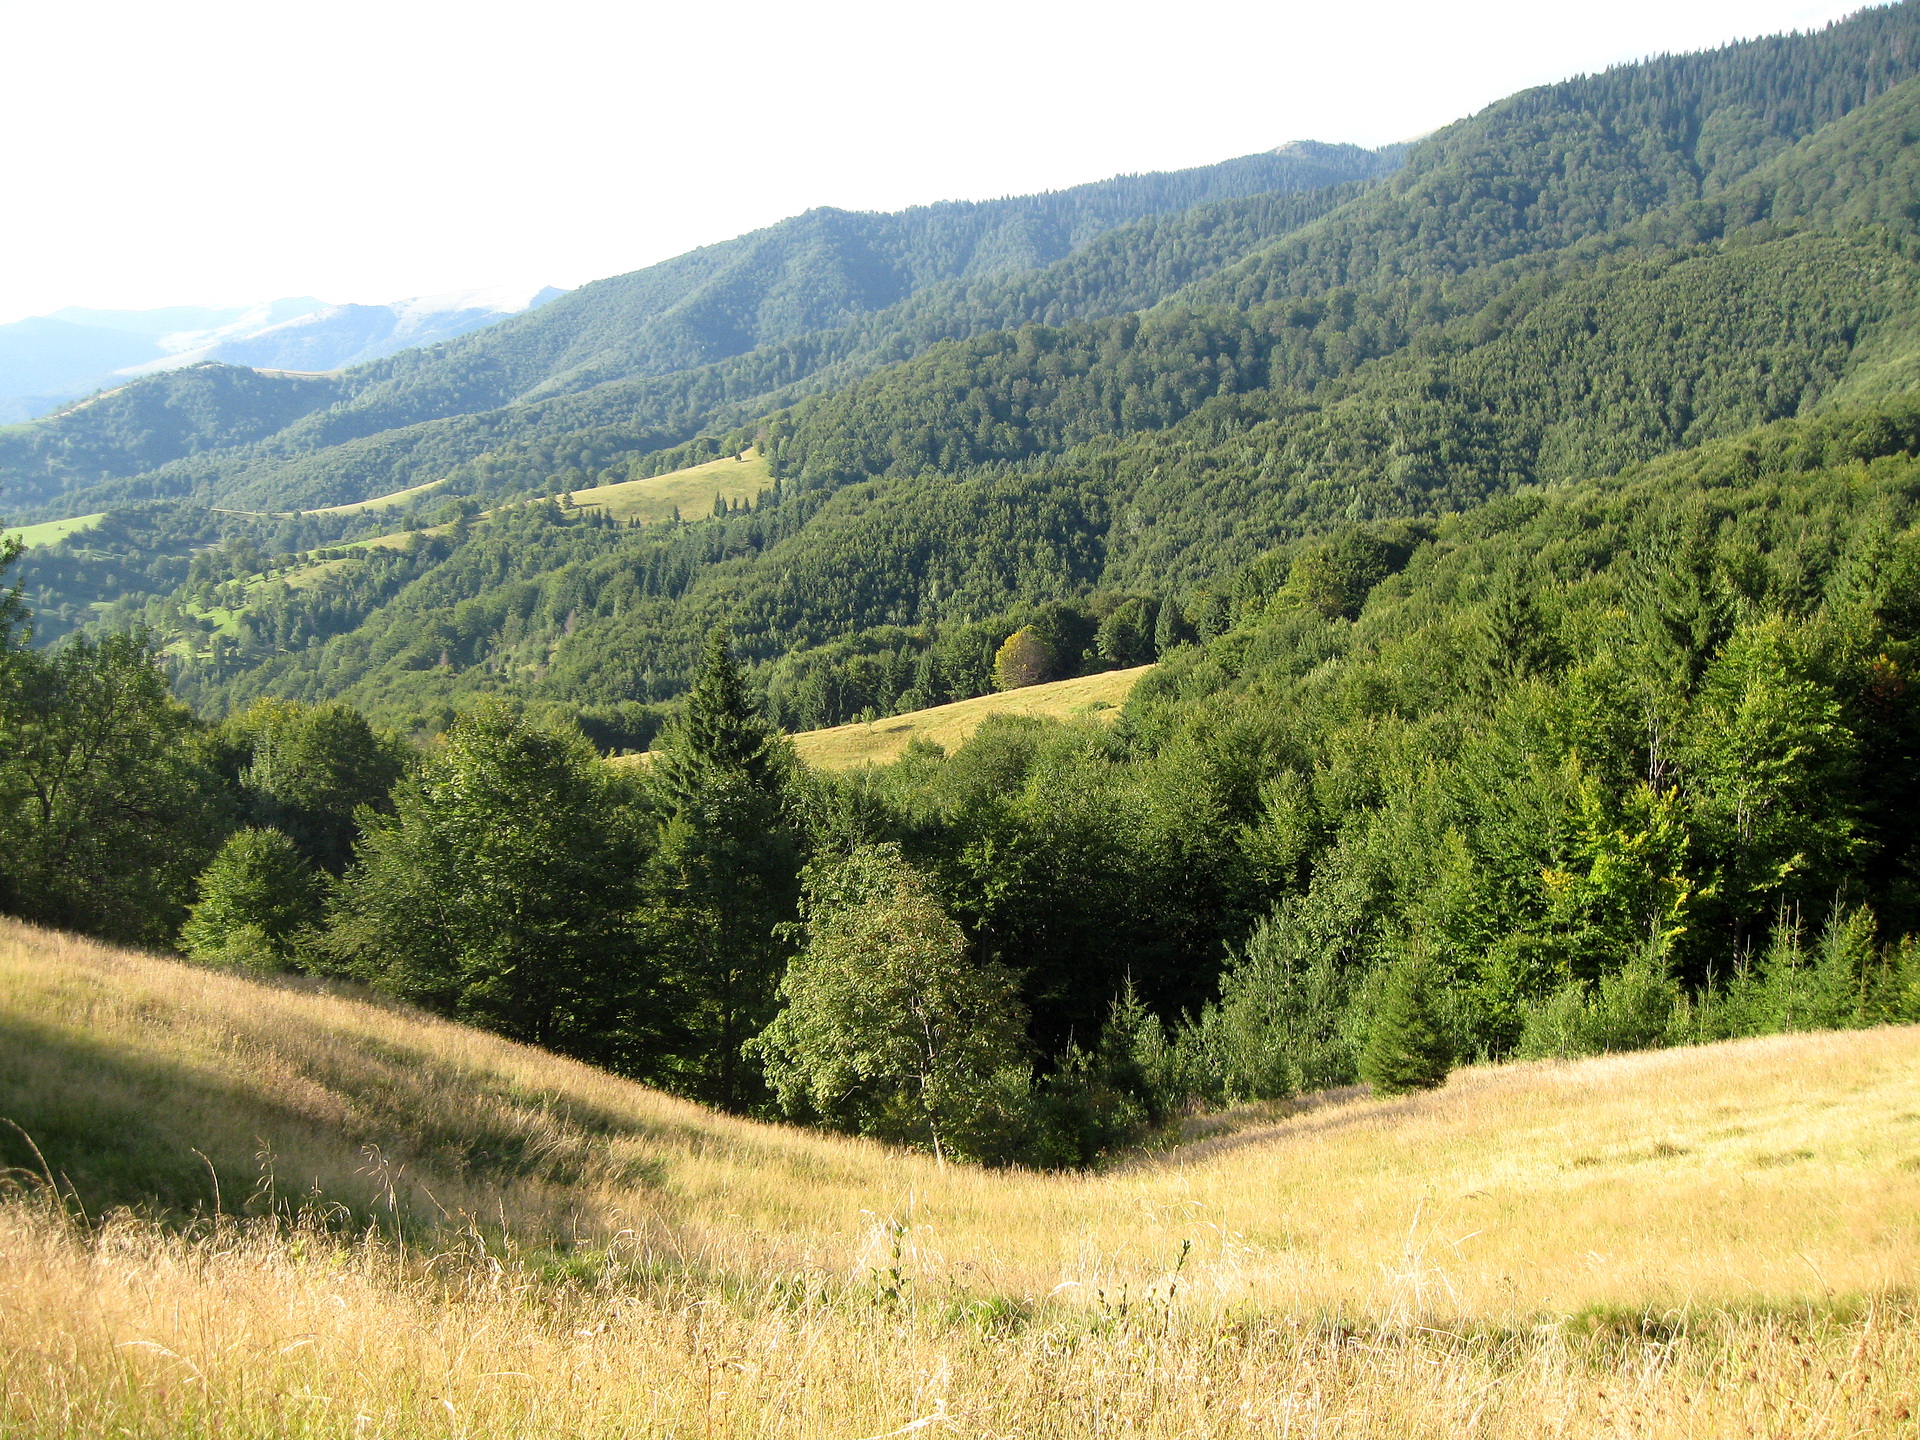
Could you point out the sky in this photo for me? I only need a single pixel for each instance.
(232, 151)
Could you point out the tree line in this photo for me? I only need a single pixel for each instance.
(1624, 764)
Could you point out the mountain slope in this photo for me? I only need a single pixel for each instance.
(815, 272)
(1673, 1241)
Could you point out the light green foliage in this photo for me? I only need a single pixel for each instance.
(1634, 1007)
(255, 900)
(1837, 981)
(1025, 659)
(889, 1026)
(1279, 1027)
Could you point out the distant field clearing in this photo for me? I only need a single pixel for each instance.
(49, 532)
(950, 726)
(690, 491)
(380, 502)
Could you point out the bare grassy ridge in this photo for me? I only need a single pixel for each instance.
(690, 491)
(1712, 1241)
(950, 726)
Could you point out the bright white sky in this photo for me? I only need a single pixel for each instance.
(225, 151)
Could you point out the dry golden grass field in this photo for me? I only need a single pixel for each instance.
(737, 477)
(422, 1230)
(950, 726)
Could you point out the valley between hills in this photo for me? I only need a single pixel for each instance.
(1277, 798)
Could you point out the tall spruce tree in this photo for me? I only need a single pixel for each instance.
(725, 878)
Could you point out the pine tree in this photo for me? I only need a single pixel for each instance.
(1406, 1049)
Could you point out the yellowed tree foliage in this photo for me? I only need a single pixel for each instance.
(1026, 659)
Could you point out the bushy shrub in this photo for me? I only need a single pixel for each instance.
(1407, 1046)
(256, 899)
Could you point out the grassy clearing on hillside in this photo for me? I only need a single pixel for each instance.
(950, 726)
(1682, 1242)
(49, 532)
(691, 491)
(381, 502)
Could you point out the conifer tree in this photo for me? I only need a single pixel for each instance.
(725, 878)
(1406, 1049)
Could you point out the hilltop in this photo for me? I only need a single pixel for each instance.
(1517, 1246)
(875, 742)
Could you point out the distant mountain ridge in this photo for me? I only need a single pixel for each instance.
(791, 284)
(49, 360)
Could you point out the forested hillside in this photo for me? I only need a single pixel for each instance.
(1525, 539)
(810, 275)
(1596, 766)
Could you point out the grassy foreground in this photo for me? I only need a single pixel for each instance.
(877, 743)
(424, 1230)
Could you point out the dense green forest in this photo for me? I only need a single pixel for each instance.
(1599, 765)
(820, 289)
(1525, 535)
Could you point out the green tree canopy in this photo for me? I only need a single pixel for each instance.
(1025, 659)
(1407, 1048)
(256, 898)
(890, 1028)
(502, 890)
(724, 877)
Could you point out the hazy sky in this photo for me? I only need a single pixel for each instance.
(208, 151)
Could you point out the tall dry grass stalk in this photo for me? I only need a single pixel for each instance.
(428, 1230)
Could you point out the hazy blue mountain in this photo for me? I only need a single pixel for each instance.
(45, 362)
(51, 359)
(337, 336)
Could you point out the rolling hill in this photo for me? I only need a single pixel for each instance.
(878, 742)
(400, 1220)
(1192, 371)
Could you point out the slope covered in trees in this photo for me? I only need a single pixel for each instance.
(1526, 543)
(1593, 766)
(809, 276)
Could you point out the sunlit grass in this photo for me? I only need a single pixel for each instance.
(447, 1233)
(49, 532)
(690, 491)
(949, 726)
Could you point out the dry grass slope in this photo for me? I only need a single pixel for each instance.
(949, 726)
(691, 491)
(1713, 1241)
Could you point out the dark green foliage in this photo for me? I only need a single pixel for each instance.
(822, 290)
(1528, 542)
(502, 890)
(107, 810)
(1407, 1048)
(723, 882)
(307, 771)
(255, 901)
(149, 422)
